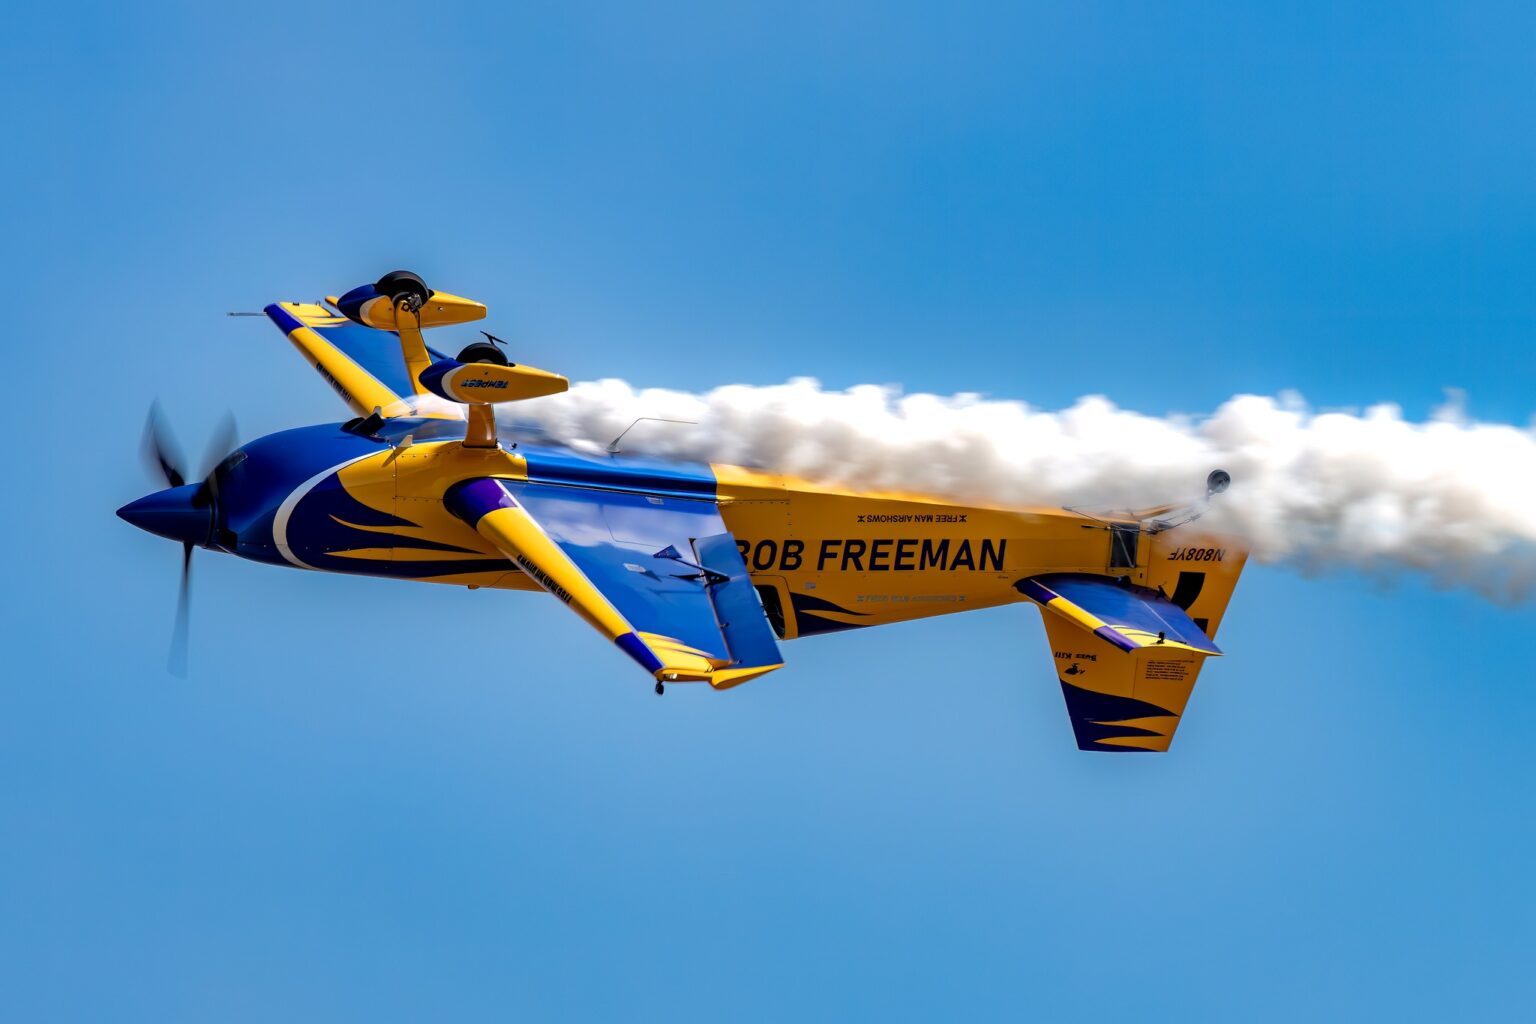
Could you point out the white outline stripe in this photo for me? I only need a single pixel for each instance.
(280, 521)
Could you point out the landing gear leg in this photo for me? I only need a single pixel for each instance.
(660, 689)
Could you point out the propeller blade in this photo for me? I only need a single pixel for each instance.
(165, 457)
(223, 441)
(161, 451)
(176, 660)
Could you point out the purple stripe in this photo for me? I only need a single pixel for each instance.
(1115, 638)
(632, 645)
(352, 303)
(284, 319)
(1035, 591)
(432, 377)
(472, 500)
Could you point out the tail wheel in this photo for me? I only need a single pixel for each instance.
(404, 286)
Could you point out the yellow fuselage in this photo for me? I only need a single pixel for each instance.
(822, 558)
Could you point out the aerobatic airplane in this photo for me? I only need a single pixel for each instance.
(696, 572)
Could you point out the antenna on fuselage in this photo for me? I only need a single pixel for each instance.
(1216, 483)
(613, 446)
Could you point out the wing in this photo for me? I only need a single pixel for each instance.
(1127, 658)
(365, 365)
(659, 575)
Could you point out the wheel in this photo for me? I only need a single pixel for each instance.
(482, 352)
(660, 689)
(402, 285)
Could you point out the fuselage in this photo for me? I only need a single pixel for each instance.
(821, 558)
(693, 571)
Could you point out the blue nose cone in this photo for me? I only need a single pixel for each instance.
(178, 513)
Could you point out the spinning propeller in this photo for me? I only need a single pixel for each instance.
(183, 511)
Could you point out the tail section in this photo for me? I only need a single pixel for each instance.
(1127, 658)
(1196, 571)
(1128, 654)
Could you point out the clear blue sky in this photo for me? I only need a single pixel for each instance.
(375, 800)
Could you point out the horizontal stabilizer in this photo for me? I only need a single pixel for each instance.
(1126, 616)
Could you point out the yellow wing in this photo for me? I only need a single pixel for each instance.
(365, 366)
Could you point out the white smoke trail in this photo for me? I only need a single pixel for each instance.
(1449, 497)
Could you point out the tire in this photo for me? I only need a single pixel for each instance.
(482, 352)
(402, 284)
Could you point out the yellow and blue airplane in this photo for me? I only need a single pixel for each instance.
(697, 572)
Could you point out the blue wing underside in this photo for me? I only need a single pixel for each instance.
(625, 542)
